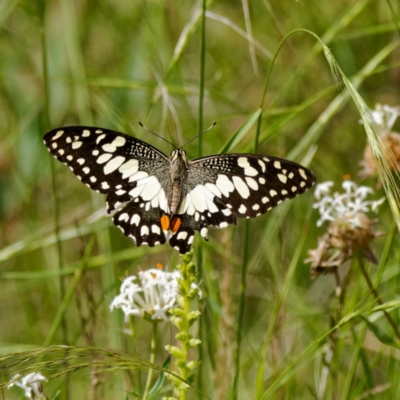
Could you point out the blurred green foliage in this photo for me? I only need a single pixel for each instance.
(115, 63)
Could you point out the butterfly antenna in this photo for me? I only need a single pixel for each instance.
(148, 130)
(201, 134)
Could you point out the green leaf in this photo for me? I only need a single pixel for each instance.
(382, 336)
(241, 132)
(156, 388)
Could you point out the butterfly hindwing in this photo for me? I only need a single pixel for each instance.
(143, 226)
(192, 219)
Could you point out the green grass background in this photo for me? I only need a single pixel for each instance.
(114, 63)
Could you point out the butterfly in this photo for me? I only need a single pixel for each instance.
(154, 198)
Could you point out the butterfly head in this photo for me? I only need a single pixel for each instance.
(178, 156)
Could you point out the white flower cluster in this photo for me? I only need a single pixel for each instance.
(344, 206)
(155, 294)
(385, 116)
(30, 384)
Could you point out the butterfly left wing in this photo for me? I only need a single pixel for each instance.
(221, 188)
(133, 174)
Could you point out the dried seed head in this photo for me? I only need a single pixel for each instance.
(385, 117)
(349, 230)
(391, 152)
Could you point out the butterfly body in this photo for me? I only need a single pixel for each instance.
(154, 198)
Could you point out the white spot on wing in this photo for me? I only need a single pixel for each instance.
(225, 185)
(100, 138)
(262, 165)
(303, 174)
(198, 199)
(277, 165)
(252, 183)
(135, 219)
(129, 168)
(211, 206)
(57, 135)
(156, 229)
(241, 187)
(76, 145)
(242, 209)
(151, 189)
(112, 147)
(138, 175)
(86, 133)
(123, 217)
(144, 230)
(282, 178)
(182, 235)
(104, 158)
(213, 189)
(113, 164)
(204, 232)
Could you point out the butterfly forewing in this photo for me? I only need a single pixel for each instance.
(133, 174)
(250, 185)
(139, 184)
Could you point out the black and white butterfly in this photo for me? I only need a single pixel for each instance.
(153, 198)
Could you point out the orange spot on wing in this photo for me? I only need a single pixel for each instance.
(164, 220)
(175, 224)
(159, 266)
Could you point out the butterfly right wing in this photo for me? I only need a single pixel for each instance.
(221, 188)
(133, 174)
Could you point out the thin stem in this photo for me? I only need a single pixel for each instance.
(199, 154)
(377, 297)
(152, 359)
(202, 72)
(241, 311)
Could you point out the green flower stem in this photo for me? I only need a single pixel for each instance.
(183, 318)
(377, 297)
(152, 359)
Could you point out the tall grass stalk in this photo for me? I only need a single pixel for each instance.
(153, 349)
(69, 293)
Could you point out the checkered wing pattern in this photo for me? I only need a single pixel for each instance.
(137, 179)
(133, 175)
(221, 188)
